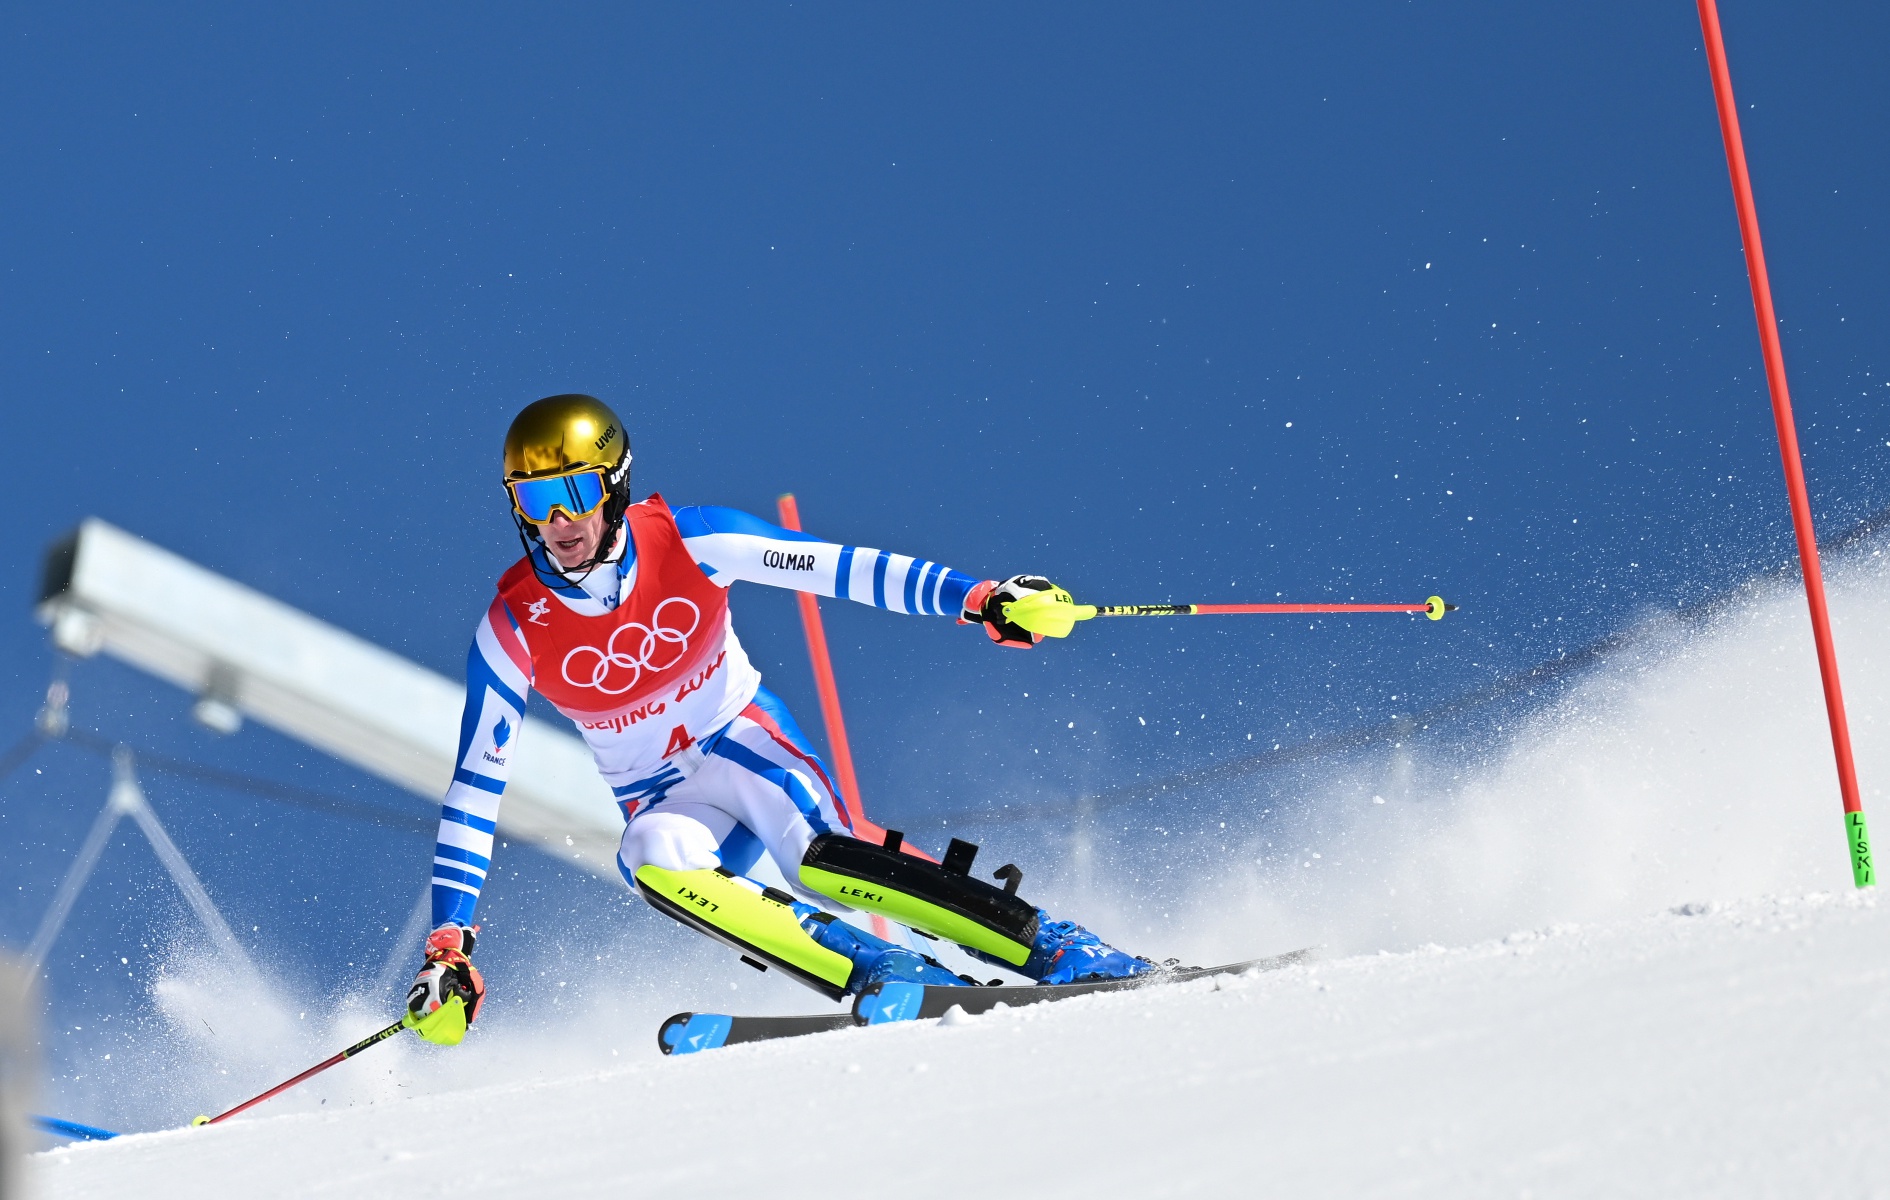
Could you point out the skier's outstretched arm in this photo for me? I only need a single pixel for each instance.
(498, 679)
(730, 544)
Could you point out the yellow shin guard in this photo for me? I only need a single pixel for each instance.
(941, 899)
(757, 924)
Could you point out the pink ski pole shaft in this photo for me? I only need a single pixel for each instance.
(317, 1069)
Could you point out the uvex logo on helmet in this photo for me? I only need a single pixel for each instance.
(635, 648)
(565, 433)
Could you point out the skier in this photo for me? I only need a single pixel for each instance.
(618, 615)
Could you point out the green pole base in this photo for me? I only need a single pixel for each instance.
(1862, 872)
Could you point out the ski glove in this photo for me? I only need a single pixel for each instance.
(445, 996)
(984, 605)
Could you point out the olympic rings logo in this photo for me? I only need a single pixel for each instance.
(656, 636)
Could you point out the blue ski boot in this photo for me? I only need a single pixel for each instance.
(1065, 952)
(874, 960)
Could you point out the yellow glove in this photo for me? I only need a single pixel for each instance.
(446, 994)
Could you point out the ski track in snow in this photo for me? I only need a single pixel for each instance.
(1665, 1030)
(1737, 1050)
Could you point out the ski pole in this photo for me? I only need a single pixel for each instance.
(1434, 608)
(1053, 613)
(317, 1069)
(73, 1129)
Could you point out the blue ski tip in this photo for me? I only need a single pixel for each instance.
(72, 1129)
(893, 1002)
(686, 1033)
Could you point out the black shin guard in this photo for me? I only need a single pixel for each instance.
(940, 899)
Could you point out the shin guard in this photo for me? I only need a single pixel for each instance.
(759, 925)
(942, 900)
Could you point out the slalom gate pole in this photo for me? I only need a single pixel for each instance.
(847, 781)
(1863, 874)
(790, 513)
(370, 1040)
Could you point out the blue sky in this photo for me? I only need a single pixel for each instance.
(1173, 305)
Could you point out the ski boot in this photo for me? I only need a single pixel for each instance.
(874, 960)
(1065, 952)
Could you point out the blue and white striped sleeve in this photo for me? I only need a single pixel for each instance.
(729, 544)
(498, 678)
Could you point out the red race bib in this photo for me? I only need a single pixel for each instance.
(666, 630)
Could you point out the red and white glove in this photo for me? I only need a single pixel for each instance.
(448, 972)
(984, 605)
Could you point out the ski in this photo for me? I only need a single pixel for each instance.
(883, 1003)
(880, 1004)
(688, 1033)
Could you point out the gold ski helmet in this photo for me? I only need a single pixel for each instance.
(564, 433)
(567, 453)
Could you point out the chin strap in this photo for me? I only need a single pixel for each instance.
(534, 545)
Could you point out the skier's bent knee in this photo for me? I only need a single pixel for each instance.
(667, 840)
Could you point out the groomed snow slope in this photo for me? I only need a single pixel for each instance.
(1736, 1050)
(1665, 1030)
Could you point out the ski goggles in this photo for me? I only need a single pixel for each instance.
(578, 495)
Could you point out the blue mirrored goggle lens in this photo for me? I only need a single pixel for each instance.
(578, 495)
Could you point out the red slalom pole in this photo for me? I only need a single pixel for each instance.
(849, 784)
(1862, 872)
(370, 1040)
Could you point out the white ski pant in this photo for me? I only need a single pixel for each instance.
(752, 788)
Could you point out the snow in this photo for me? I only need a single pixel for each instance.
(1660, 983)
(1736, 1050)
